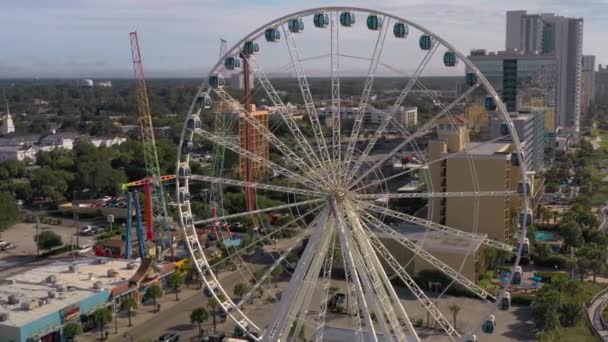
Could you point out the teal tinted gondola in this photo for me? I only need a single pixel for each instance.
(295, 25)
(272, 35)
(249, 48)
(232, 63)
(321, 20)
(449, 59)
(490, 104)
(471, 79)
(400, 30)
(217, 81)
(374, 23)
(194, 123)
(426, 42)
(347, 19)
(204, 101)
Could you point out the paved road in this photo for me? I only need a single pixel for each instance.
(595, 313)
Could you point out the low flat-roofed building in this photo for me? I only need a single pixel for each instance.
(36, 304)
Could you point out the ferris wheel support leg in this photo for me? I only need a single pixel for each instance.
(335, 91)
(348, 252)
(392, 111)
(410, 283)
(387, 298)
(280, 318)
(327, 267)
(417, 134)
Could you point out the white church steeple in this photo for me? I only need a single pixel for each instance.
(7, 121)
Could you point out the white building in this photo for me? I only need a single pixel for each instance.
(107, 141)
(406, 116)
(64, 140)
(7, 122)
(104, 84)
(20, 153)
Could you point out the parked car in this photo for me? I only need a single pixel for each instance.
(3, 243)
(84, 249)
(89, 230)
(8, 246)
(168, 337)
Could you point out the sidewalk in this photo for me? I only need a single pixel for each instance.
(140, 315)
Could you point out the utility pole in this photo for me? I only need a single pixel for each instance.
(37, 234)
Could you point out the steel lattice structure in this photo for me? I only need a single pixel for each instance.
(334, 190)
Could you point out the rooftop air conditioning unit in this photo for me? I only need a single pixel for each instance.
(73, 268)
(112, 273)
(13, 299)
(3, 316)
(51, 279)
(52, 294)
(98, 285)
(131, 265)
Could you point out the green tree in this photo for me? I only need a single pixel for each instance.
(175, 282)
(214, 304)
(9, 211)
(155, 292)
(71, 330)
(199, 316)
(48, 240)
(454, 309)
(128, 304)
(102, 316)
(572, 233)
(240, 289)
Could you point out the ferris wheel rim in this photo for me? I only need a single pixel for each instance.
(255, 34)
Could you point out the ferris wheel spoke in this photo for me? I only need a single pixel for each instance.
(268, 236)
(437, 194)
(417, 249)
(367, 89)
(286, 115)
(388, 301)
(416, 135)
(401, 272)
(439, 227)
(426, 165)
(335, 89)
(309, 103)
(287, 153)
(348, 251)
(309, 263)
(270, 187)
(256, 158)
(259, 211)
(393, 110)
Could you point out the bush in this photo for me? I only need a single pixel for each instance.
(549, 276)
(551, 261)
(522, 299)
(48, 240)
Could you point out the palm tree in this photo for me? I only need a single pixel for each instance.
(214, 304)
(155, 291)
(240, 289)
(199, 316)
(101, 317)
(555, 216)
(454, 309)
(71, 330)
(175, 281)
(129, 304)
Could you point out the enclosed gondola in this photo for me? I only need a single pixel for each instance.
(515, 158)
(527, 216)
(321, 20)
(295, 25)
(183, 170)
(517, 275)
(232, 63)
(250, 48)
(184, 195)
(272, 34)
(217, 81)
(525, 249)
(187, 220)
(374, 22)
(450, 59)
(471, 79)
(490, 103)
(524, 187)
(400, 30)
(187, 146)
(504, 301)
(489, 325)
(426, 42)
(347, 19)
(194, 122)
(204, 101)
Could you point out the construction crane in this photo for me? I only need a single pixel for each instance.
(158, 206)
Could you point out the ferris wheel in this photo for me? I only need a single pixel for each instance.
(370, 197)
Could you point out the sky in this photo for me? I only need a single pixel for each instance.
(89, 38)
